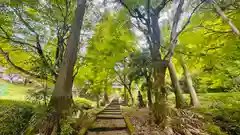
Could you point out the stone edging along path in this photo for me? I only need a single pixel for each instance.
(110, 121)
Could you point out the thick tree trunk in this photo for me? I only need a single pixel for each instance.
(160, 107)
(180, 102)
(63, 86)
(194, 99)
(61, 99)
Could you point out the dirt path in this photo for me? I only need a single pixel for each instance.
(109, 122)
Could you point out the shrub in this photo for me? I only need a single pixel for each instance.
(39, 96)
(67, 126)
(224, 110)
(214, 130)
(14, 116)
(83, 103)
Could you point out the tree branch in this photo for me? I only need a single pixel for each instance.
(60, 8)
(129, 10)
(6, 56)
(176, 20)
(7, 37)
(75, 74)
(38, 45)
(136, 11)
(39, 48)
(189, 18)
(141, 17)
(24, 22)
(215, 31)
(173, 38)
(121, 79)
(161, 6)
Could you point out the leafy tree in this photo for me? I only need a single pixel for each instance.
(149, 16)
(213, 50)
(61, 98)
(141, 66)
(111, 42)
(37, 31)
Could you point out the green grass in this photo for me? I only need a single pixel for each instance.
(210, 99)
(228, 100)
(19, 92)
(13, 91)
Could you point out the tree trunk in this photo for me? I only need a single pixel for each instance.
(149, 97)
(159, 69)
(25, 81)
(45, 93)
(106, 100)
(125, 90)
(125, 95)
(149, 93)
(131, 96)
(194, 99)
(160, 107)
(98, 100)
(140, 100)
(180, 102)
(61, 100)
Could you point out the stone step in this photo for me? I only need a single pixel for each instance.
(106, 129)
(118, 132)
(101, 116)
(119, 111)
(109, 123)
(111, 113)
(114, 106)
(112, 110)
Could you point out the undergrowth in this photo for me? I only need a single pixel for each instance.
(223, 109)
(14, 116)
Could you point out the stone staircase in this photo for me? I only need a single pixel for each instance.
(109, 121)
